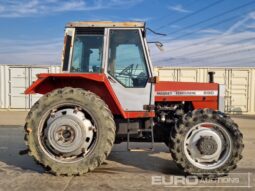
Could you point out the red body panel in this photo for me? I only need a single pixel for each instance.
(96, 83)
(99, 84)
(202, 95)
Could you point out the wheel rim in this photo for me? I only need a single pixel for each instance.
(207, 146)
(68, 133)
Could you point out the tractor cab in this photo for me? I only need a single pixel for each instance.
(118, 50)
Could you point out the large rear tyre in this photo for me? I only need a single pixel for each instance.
(70, 131)
(206, 143)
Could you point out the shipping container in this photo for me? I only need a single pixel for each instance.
(13, 82)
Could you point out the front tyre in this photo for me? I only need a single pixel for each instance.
(70, 131)
(206, 143)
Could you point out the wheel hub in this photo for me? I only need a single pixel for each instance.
(207, 145)
(68, 133)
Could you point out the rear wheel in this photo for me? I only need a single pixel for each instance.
(70, 131)
(206, 143)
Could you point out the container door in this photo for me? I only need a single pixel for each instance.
(168, 74)
(18, 82)
(238, 89)
(187, 75)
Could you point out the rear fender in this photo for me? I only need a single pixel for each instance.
(96, 83)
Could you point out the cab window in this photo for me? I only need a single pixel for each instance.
(126, 60)
(87, 53)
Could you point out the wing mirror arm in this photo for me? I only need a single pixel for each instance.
(159, 45)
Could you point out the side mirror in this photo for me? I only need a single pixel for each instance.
(160, 46)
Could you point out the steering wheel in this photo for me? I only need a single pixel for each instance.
(128, 70)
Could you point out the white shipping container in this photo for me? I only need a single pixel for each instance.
(4, 74)
(14, 80)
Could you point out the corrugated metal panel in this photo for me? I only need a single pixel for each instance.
(2, 92)
(4, 99)
(167, 74)
(13, 82)
(54, 69)
(238, 90)
(188, 75)
(252, 92)
(21, 78)
(18, 82)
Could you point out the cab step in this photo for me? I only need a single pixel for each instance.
(129, 148)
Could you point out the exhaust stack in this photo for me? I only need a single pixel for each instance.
(211, 77)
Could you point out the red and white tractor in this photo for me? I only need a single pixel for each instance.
(106, 94)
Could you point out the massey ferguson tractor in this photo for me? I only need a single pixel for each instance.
(106, 94)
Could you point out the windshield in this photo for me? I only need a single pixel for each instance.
(87, 53)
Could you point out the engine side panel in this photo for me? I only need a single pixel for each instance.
(201, 95)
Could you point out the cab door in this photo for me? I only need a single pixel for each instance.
(129, 68)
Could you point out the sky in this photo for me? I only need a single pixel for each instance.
(199, 32)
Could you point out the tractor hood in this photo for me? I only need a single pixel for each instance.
(200, 93)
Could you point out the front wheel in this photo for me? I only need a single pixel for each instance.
(206, 143)
(70, 131)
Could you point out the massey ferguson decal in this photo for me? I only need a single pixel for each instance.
(188, 93)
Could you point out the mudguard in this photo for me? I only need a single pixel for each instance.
(96, 83)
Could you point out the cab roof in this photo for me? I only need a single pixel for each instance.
(106, 24)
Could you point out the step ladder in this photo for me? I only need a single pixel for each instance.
(150, 130)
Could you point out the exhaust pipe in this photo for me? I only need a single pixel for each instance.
(211, 77)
